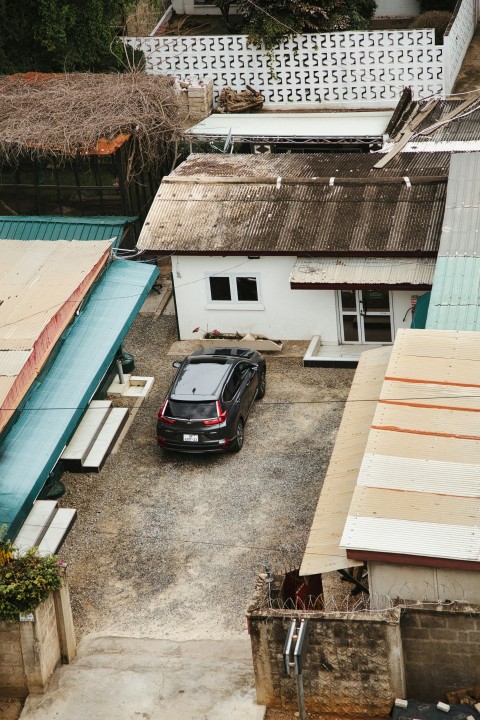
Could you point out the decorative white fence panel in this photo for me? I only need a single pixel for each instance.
(354, 68)
(457, 39)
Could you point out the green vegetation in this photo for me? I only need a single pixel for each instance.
(25, 580)
(433, 19)
(271, 21)
(62, 35)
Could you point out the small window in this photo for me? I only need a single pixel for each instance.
(220, 288)
(247, 289)
(233, 384)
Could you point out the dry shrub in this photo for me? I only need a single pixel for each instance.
(434, 19)
(64, 115)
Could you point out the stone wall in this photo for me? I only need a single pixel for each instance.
(359, 662)
(353, 664)
(441, 647)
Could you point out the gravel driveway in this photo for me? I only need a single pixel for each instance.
(169, 546)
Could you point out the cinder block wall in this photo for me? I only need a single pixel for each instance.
(13, 682)
(353, 665)
(441, 647)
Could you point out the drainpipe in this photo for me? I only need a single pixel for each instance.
(121, 376)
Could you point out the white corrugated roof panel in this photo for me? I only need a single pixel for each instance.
(323, 552)
(418, 487)
(294, 125)
(363, 272)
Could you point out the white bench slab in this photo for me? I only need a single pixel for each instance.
(35, 524)
(105, 440)
(57, 531)
(87, 431)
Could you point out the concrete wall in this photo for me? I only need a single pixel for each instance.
(31, 648)
(390, 583)
(441, 647)
(359, 662)
(281, 313)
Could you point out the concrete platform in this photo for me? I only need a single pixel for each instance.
(291, 349)
(120, 678)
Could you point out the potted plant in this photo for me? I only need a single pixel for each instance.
(251, 341)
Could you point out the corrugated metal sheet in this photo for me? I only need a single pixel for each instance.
(294, 125)
(63, 228)
(323, 552)
(274, 209)
(455, 299)
(312, 165)
(363, 272)
(418, 485)
(30, 450)
(463, 129)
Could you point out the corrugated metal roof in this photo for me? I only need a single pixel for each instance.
(292, 207)
(312, 165)
(294, 125)
(463, 131)
(455, 299)
(63, 228)
(323, 552)
(41, 287)
(30, 450)
(363, 272)
(418, 486)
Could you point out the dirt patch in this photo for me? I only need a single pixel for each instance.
(10, 709)
(169, 545)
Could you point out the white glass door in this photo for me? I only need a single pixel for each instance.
(365, 316)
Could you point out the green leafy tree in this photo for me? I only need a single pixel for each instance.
(62, 35)
(268, 22)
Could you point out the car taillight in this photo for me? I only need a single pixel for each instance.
(161, 415)
(221, 416)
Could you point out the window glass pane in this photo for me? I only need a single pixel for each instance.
(376, 300)
(377, 328)
(348, 300)
(350, 328)
(220, 288)
(191, 410)
(247, 288)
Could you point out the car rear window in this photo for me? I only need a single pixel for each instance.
(191, 410)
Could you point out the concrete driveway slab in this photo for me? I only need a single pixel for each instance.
(141, 679)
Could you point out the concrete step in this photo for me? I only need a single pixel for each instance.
(105, 440)
(85, 435)
(57, 531)
(37, 520)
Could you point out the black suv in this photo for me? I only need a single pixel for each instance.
(208, 403)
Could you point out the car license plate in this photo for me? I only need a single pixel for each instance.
(190, 438)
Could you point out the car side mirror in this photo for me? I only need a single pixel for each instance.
(176, 363)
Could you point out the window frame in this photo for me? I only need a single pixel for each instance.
(234, 302)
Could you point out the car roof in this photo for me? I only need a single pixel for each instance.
(233, 352)
(201, 379)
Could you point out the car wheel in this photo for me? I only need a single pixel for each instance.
(262, 385)
(237, 442)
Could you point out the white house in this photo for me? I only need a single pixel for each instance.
(297, 247)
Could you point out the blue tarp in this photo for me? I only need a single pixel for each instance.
(30, 449)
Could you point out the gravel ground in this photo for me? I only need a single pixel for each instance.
(169, 545)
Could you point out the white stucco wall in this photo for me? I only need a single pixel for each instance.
(281, 313)
(388, 582)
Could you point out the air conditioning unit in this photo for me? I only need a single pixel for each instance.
(261, 148)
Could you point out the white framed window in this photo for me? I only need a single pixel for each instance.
(233, 289)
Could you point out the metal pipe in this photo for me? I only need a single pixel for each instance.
(121, 376)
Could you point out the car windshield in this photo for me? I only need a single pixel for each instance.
(191, 410)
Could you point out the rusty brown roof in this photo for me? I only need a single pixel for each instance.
(319, 204)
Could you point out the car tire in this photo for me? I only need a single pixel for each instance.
(262, 385)
(237, 442)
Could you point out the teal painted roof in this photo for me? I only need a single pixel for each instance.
(33, 445)
(56, 227)
(455, 299)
